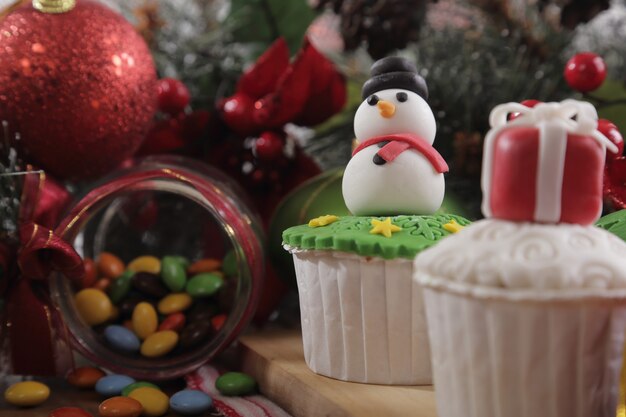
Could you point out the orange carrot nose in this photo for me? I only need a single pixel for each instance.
(387, 109)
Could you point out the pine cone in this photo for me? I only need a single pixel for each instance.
(571, 13)
(383, 25)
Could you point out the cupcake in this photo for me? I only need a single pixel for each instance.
(362, 316)
(526, 309)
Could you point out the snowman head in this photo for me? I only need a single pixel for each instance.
(394, 102)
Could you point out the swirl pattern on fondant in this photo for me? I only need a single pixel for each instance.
(503, 254)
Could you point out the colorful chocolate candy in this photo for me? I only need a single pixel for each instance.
(190, 402)
(120, 407)
(113, 384)
(155, 307)
(27, 394)
(235, 383)
(85, 377)
(154, 402)
(69, 412)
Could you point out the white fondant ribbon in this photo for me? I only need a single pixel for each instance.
(555, 121)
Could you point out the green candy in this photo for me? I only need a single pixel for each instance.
(235, 383)
(130, 388)
(173, 273)
(204, 285)
(180, 259)
(229, 264)
(120, 287)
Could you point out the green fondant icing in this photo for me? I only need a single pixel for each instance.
(352, 234)
(614, 223)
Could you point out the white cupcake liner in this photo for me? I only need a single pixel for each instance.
(501, 358)
(362, 318)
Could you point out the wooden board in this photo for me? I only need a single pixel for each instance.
(276, 359)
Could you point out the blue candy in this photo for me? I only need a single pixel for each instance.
(120, 338)
(190, 402)
(112, 385)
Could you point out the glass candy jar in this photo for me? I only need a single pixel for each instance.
(165, 206)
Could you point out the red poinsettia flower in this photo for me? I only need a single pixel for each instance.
(274, 92)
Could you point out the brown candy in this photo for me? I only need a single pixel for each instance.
(195, 333)
(149, 284)
(127, 306)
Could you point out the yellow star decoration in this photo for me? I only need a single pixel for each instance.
(385, 227)
(453, 227)
(323, 220)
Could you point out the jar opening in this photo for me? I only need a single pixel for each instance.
(164, 216)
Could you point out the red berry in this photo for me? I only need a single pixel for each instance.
(585, 72)
(608, 129)
(173, 96)
(268, 146)
(237, 112)
(528, 103)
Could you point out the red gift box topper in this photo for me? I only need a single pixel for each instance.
(546, 165)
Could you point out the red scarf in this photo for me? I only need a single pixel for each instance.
(399, 143)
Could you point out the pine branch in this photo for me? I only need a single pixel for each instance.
(271, 20)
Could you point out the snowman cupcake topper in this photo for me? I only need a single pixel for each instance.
(395, 169)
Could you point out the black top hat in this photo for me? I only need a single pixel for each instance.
(394, 72)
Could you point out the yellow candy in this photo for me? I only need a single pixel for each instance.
(174, 303)
(159, 344)
(27, 394)
(155, 403)
(145, 264)
(145, 320)
(93, 305)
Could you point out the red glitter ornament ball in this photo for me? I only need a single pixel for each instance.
(79, 87)
(585, 72)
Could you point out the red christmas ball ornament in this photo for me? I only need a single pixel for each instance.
(528, 103)
(173, 96)
(269, 146)
(585, 72)
(78, 83)
(608, 129)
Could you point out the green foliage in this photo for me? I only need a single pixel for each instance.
(468, 74)
(611, 91)
(262, 21)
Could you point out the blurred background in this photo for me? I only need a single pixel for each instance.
(473, 54)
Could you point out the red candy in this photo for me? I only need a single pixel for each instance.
(85, 377)
(69, 412)
(91, 273)
(218, 321)
(175, 322)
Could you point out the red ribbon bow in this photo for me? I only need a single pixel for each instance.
(38, 339)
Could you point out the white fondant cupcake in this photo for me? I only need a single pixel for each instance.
(362, 315)
(527, 319)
